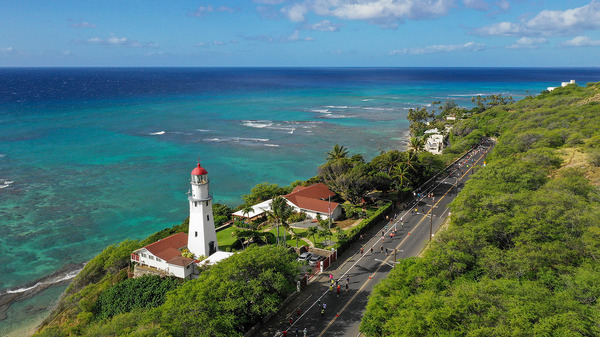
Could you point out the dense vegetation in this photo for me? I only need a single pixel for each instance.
(226, 300)
(520, 256)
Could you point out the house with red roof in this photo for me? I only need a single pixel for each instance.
(165, 255)
(314, 200)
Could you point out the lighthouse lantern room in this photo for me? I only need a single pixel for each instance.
(202, 237)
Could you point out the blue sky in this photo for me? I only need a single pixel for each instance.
(370, 33)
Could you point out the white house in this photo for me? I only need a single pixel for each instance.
(314, 200)
(435, 144)
(562, 84)
(165, 256)
(258, 211)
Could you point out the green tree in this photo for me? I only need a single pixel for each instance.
(338, 152)
(279, 214)
(233, 295)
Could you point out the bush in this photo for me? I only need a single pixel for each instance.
(143, 292)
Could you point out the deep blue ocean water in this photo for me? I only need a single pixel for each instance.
(92, 156)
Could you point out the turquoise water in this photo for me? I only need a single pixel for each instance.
(79, 171)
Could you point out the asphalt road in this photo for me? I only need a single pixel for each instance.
(412, 223)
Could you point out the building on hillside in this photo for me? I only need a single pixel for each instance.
(314, 200)
(562, 84)
(435, 144)
(163, 257)
(258, 211)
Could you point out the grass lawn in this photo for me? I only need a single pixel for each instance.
(225, 239)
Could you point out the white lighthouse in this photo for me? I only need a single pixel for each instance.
(202, 237)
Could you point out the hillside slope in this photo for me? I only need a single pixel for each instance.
(521, 255)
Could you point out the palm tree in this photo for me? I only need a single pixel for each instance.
(338, 152)
(280, 212)
(409, 160)
(391, 159)
(297, 236)
(416, 144)
(400, 173)
(313, 232)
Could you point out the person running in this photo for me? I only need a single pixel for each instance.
(338, 290)
(371, 250)
(304, 332)
(386, 251)
(361, 251)
(347, 285)
(382, 248)
(331, 288)
(322, 313)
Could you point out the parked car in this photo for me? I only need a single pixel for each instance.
(305, 256)
(314, 259)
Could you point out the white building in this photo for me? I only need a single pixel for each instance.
(435, 144)
(312, 200)
(163, 257)
(202, 237)
(562, 84)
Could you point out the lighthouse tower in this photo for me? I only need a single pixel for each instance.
(202, 237)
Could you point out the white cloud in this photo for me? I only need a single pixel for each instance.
(548, 23)
(469, 46)
(377, 11)
(219, 43)
(325, 26)
(294, 37)
(269, 2)
(503, 5)
(7, 50)
(581, 41)
(82, 24)
(119, 42)
(480, 5)
(528, 43)
(203, 10)
(296, 12)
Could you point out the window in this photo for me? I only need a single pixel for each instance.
(143, 254)
(195, 204)
(151, 257)
(206, 203)
(196, 234)
(158, 259)
(207, 218)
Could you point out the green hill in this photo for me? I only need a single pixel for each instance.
(521, 254)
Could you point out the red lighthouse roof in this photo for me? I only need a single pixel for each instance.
(199, 171)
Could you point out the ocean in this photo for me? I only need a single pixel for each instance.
(93, 156)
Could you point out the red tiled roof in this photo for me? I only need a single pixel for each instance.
(168, 247)
(312, 198)
(317, 205)
(315, 191)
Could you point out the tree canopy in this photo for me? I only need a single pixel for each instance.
(521, 254)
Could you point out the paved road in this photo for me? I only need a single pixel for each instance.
(412, 222)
